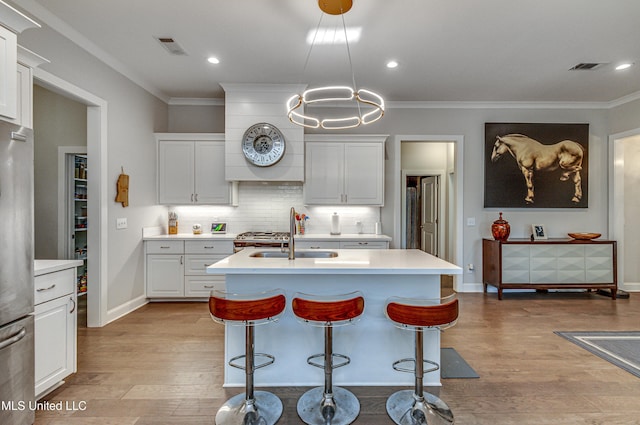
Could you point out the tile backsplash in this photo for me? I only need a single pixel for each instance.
(265, 206)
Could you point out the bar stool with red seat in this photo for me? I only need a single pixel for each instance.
(248, 310)
(413, 407)
(328, 404)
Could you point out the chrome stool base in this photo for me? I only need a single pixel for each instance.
(347, 407)
(404, 408)
(266, 410)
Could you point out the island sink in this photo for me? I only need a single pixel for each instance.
(298, 254)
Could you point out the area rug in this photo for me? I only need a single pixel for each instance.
(620, 348)
(453, 366)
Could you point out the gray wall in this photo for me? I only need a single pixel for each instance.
(57, 121)
(133, 116)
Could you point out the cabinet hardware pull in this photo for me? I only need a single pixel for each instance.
(315, 247)
(192, 197)
(181, 259)
(46, 289)
(13, 338)
(165, 247)
(363, 243)
(209, 247)
(196, 197)
(74, 305)
(209, 286)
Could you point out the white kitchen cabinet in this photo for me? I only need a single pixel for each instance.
(364, 245)
(177, 269)
(191, 169)
(317, 245)
(344, 170)
(15, 97)
(8, 73)
(342, 244)
(55, 322)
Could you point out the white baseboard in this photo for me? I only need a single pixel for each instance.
(469, 287)
(126, 308)
(630, 286)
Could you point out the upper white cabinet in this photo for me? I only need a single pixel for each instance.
(8, 73)
(191, 169)
(12, 22)
(344, 170)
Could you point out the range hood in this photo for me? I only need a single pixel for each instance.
(249, 104)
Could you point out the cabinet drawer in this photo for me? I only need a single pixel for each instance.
(165, 247)
(201, 286)
(317, 245)
(209, 247)
(363, 245)
(53, 285)
(196, 264)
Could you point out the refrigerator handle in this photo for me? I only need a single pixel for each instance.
(74, 305)
(13, 338)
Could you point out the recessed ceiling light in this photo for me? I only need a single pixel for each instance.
(392, 64)
(623, 66)
(213, 60)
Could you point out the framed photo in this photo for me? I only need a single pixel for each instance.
(539, 232)
(537, 165)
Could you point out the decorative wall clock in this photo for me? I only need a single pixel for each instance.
(263, 144)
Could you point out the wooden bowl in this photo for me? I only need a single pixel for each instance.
(584, 236)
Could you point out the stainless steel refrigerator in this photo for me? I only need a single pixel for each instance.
(16, 275)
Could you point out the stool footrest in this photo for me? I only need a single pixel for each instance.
(346, 360)
(398, 365)
(269, 357)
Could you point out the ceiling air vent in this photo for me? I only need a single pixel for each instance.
(586, 66)
(171, 45)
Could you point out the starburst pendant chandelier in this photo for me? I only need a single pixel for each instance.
(369, 106)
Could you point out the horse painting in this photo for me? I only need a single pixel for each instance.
(532, 156)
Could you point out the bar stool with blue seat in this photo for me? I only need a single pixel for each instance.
(413, 407)
(249, 310)
(328, 404)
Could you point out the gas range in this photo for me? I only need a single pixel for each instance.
(261, 239)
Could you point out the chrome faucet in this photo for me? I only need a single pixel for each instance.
(292, 232)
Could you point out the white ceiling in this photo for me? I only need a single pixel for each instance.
(448, 50)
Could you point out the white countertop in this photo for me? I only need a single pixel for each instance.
(348, 261)
(191, 236)
(41, 267)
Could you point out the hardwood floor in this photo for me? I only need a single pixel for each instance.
(162, 364)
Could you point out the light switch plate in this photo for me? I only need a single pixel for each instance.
(121, 223)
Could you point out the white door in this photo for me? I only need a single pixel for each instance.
(429, 217)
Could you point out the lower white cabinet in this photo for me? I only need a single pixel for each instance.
(55, 329)
(177, 269)
(343, 244)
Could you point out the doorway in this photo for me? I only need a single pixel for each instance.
(422, 213)
(624, 206)
(96, 140)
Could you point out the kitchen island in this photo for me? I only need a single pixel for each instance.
(373, 342)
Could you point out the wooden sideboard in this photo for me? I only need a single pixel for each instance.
(549, 264)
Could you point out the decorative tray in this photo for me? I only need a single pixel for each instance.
(584, 236)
